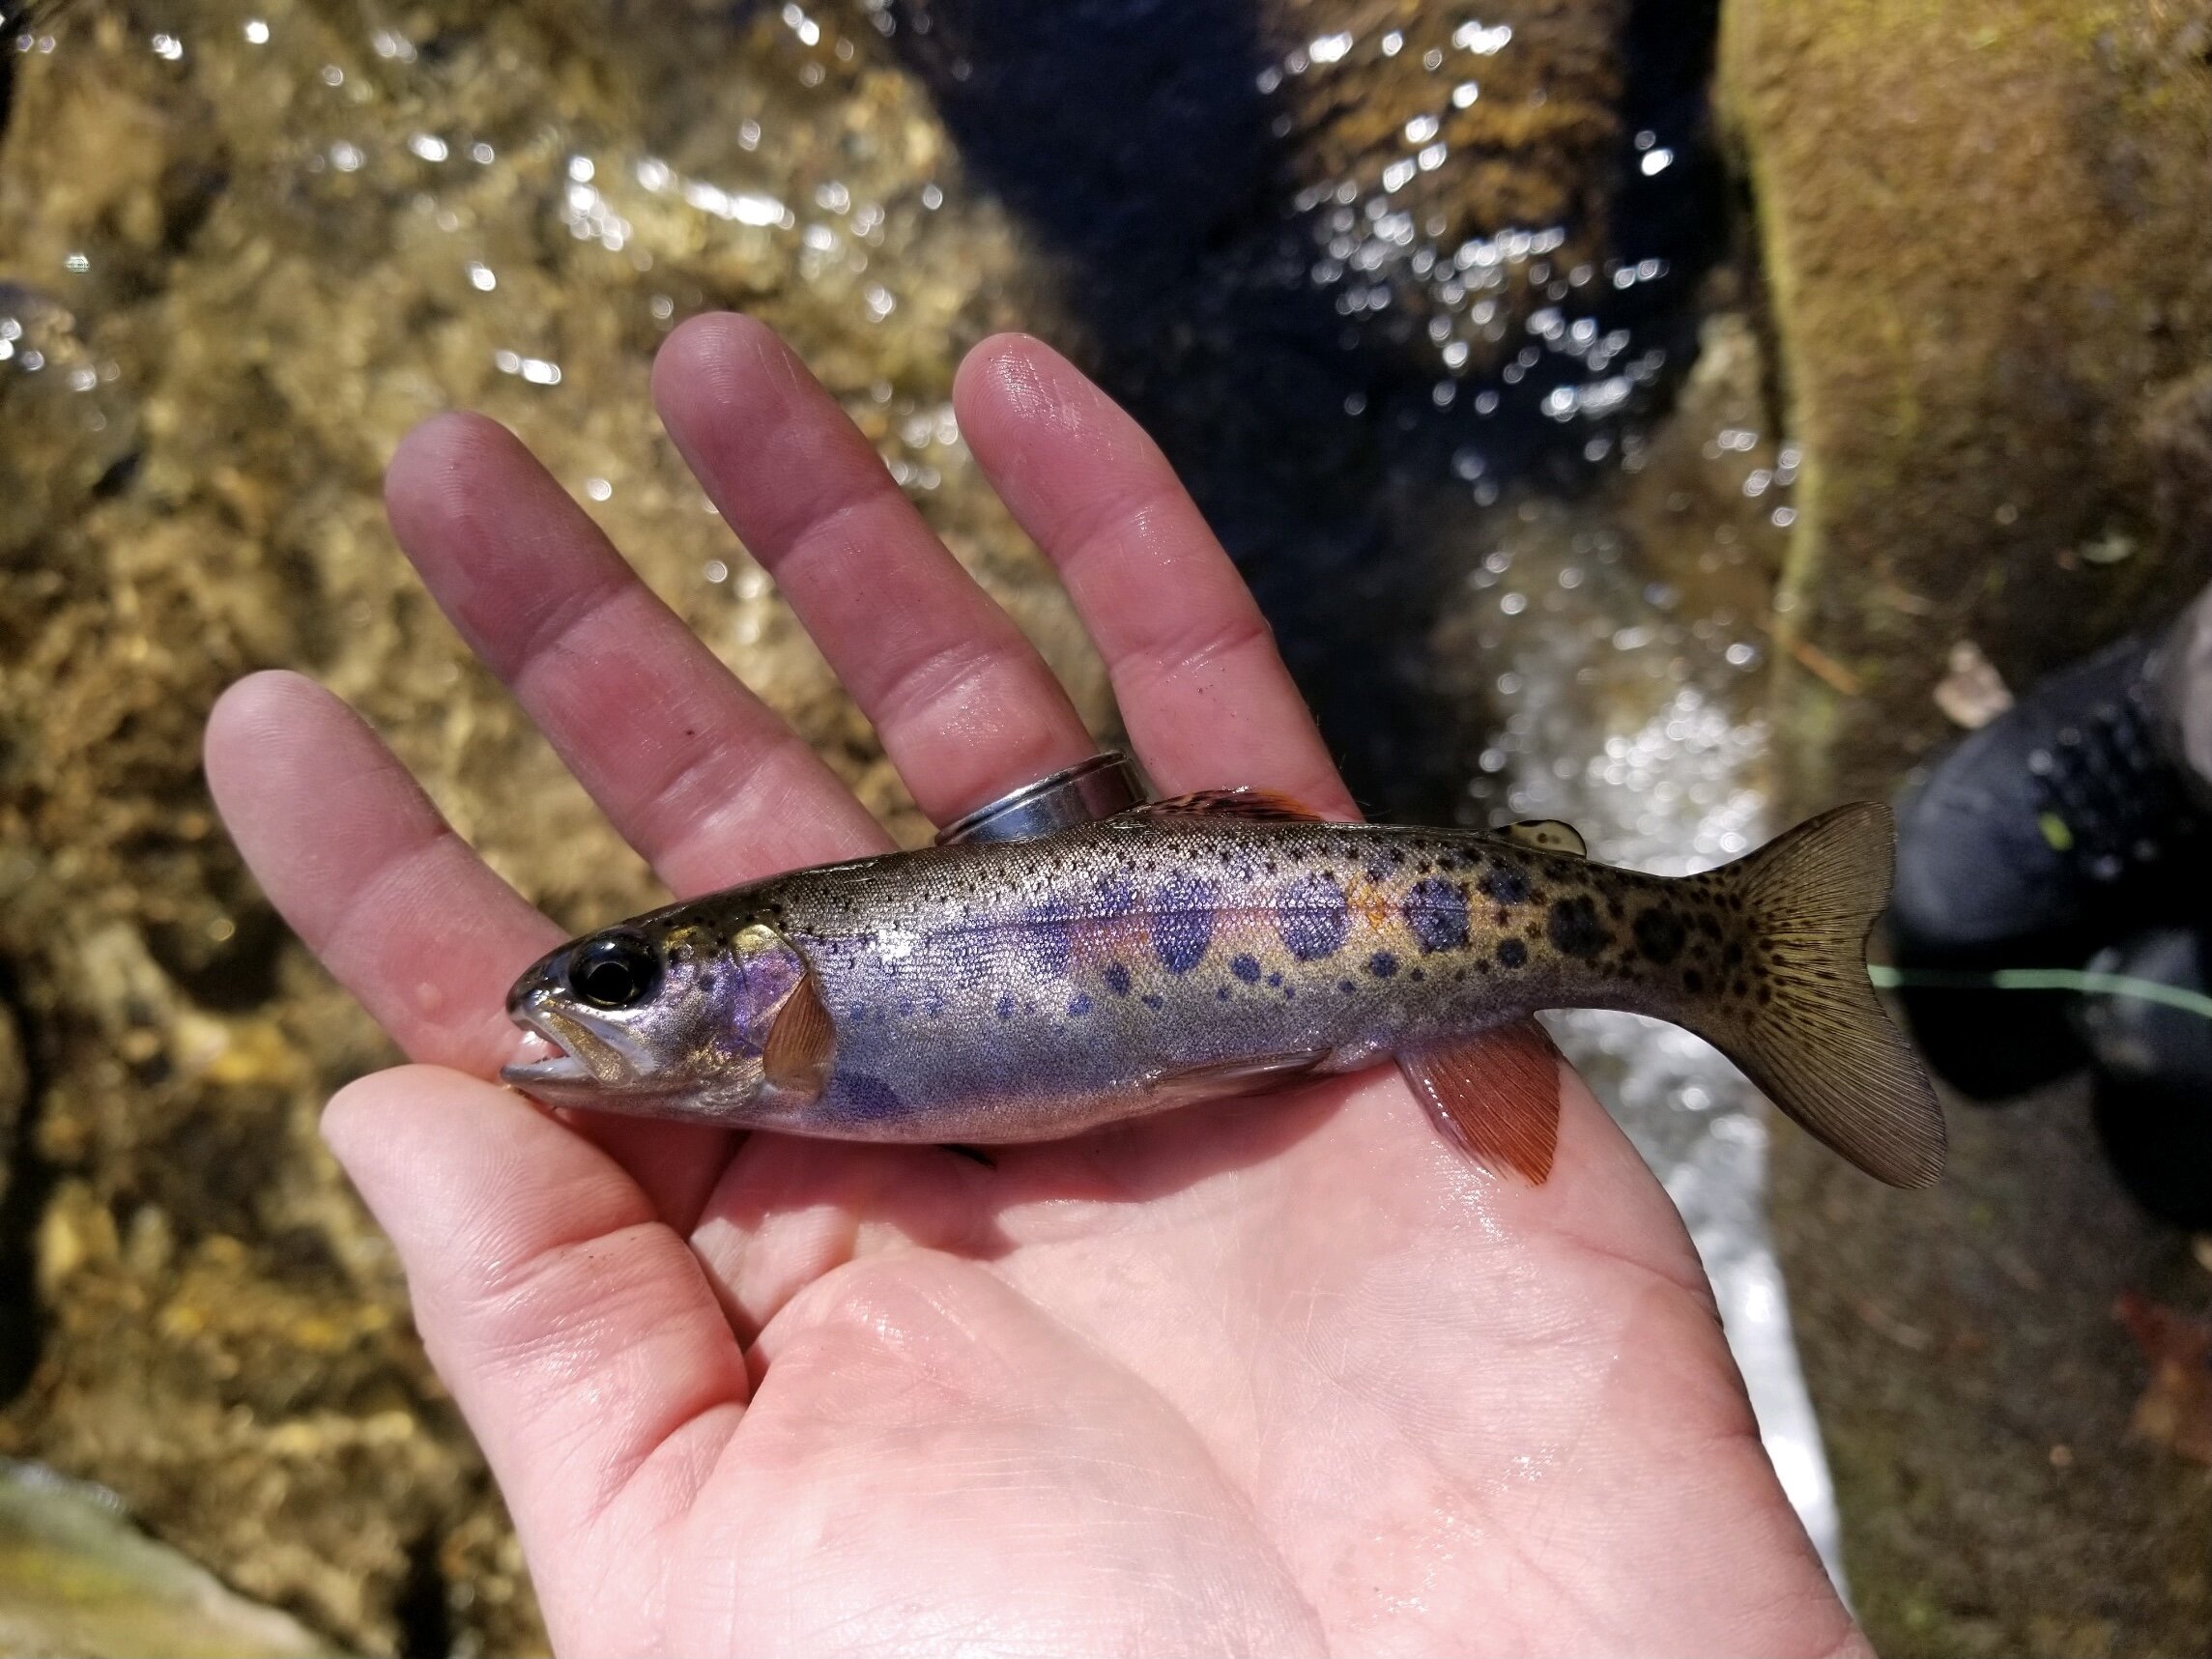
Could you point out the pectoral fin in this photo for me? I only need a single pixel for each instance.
(1495, 1096)
(801, 1042)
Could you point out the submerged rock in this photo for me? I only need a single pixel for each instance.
(75, 1577)
(1987, 245)
(237, 262)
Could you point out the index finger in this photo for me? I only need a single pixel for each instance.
(1202, 689)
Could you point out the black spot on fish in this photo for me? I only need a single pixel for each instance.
(1312, 917)
(1245, 968)
(1436, 910)
(1506, 884)
(1117, 979)
(1274, 979)
(1660, 935)
(1346, 987)
(1733, 957)
(1574, 928)
(1693, 982)
(1416, 976)
(1149, 1000)
(1382, 964)
(1513, 953)
(1078, 1005)
(1223, 994)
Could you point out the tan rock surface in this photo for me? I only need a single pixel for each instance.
(1985, 233)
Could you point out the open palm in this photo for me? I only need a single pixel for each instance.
(1276, 1376)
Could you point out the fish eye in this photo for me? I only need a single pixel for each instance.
(618, 971)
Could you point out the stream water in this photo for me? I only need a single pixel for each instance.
(1480, 410)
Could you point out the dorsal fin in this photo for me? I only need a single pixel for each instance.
(1494, 1095)
(1547, 835)
(1240, 803)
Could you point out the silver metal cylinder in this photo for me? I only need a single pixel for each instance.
(1096, 788)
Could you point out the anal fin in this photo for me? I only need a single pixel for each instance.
(1495, 1096)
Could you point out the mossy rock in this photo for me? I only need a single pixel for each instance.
(1985, 233)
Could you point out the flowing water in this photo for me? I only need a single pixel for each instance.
(1436, 311)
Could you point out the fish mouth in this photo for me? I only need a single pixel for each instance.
(545, 1056)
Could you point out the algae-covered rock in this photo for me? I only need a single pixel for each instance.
(1988, 246)
(241, 251)
(1466, 162)
(76, 1578)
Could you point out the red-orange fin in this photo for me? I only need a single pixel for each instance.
(1495, 1096)
(1244, 803)
(796, 1056)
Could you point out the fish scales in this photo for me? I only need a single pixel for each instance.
(1000, 992)
(1100, 963)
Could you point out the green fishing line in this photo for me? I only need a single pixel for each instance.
(2044, 978)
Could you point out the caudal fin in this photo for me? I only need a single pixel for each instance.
(1814, 1037)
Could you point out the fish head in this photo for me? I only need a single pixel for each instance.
(665, 1014)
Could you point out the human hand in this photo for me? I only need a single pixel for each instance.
(1281, 1375)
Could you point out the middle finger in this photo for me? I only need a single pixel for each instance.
(965, 705)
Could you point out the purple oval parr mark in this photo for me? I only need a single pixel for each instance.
(864, 1097)
(1046, 936)
(1183, 921)
(1117, 979)
(1117, 894)
(1245, 968)
(1436, 910)
(1312, 917)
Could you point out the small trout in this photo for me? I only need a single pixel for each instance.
(1218, 943)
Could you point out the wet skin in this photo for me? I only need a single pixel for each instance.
(1284, 1377)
